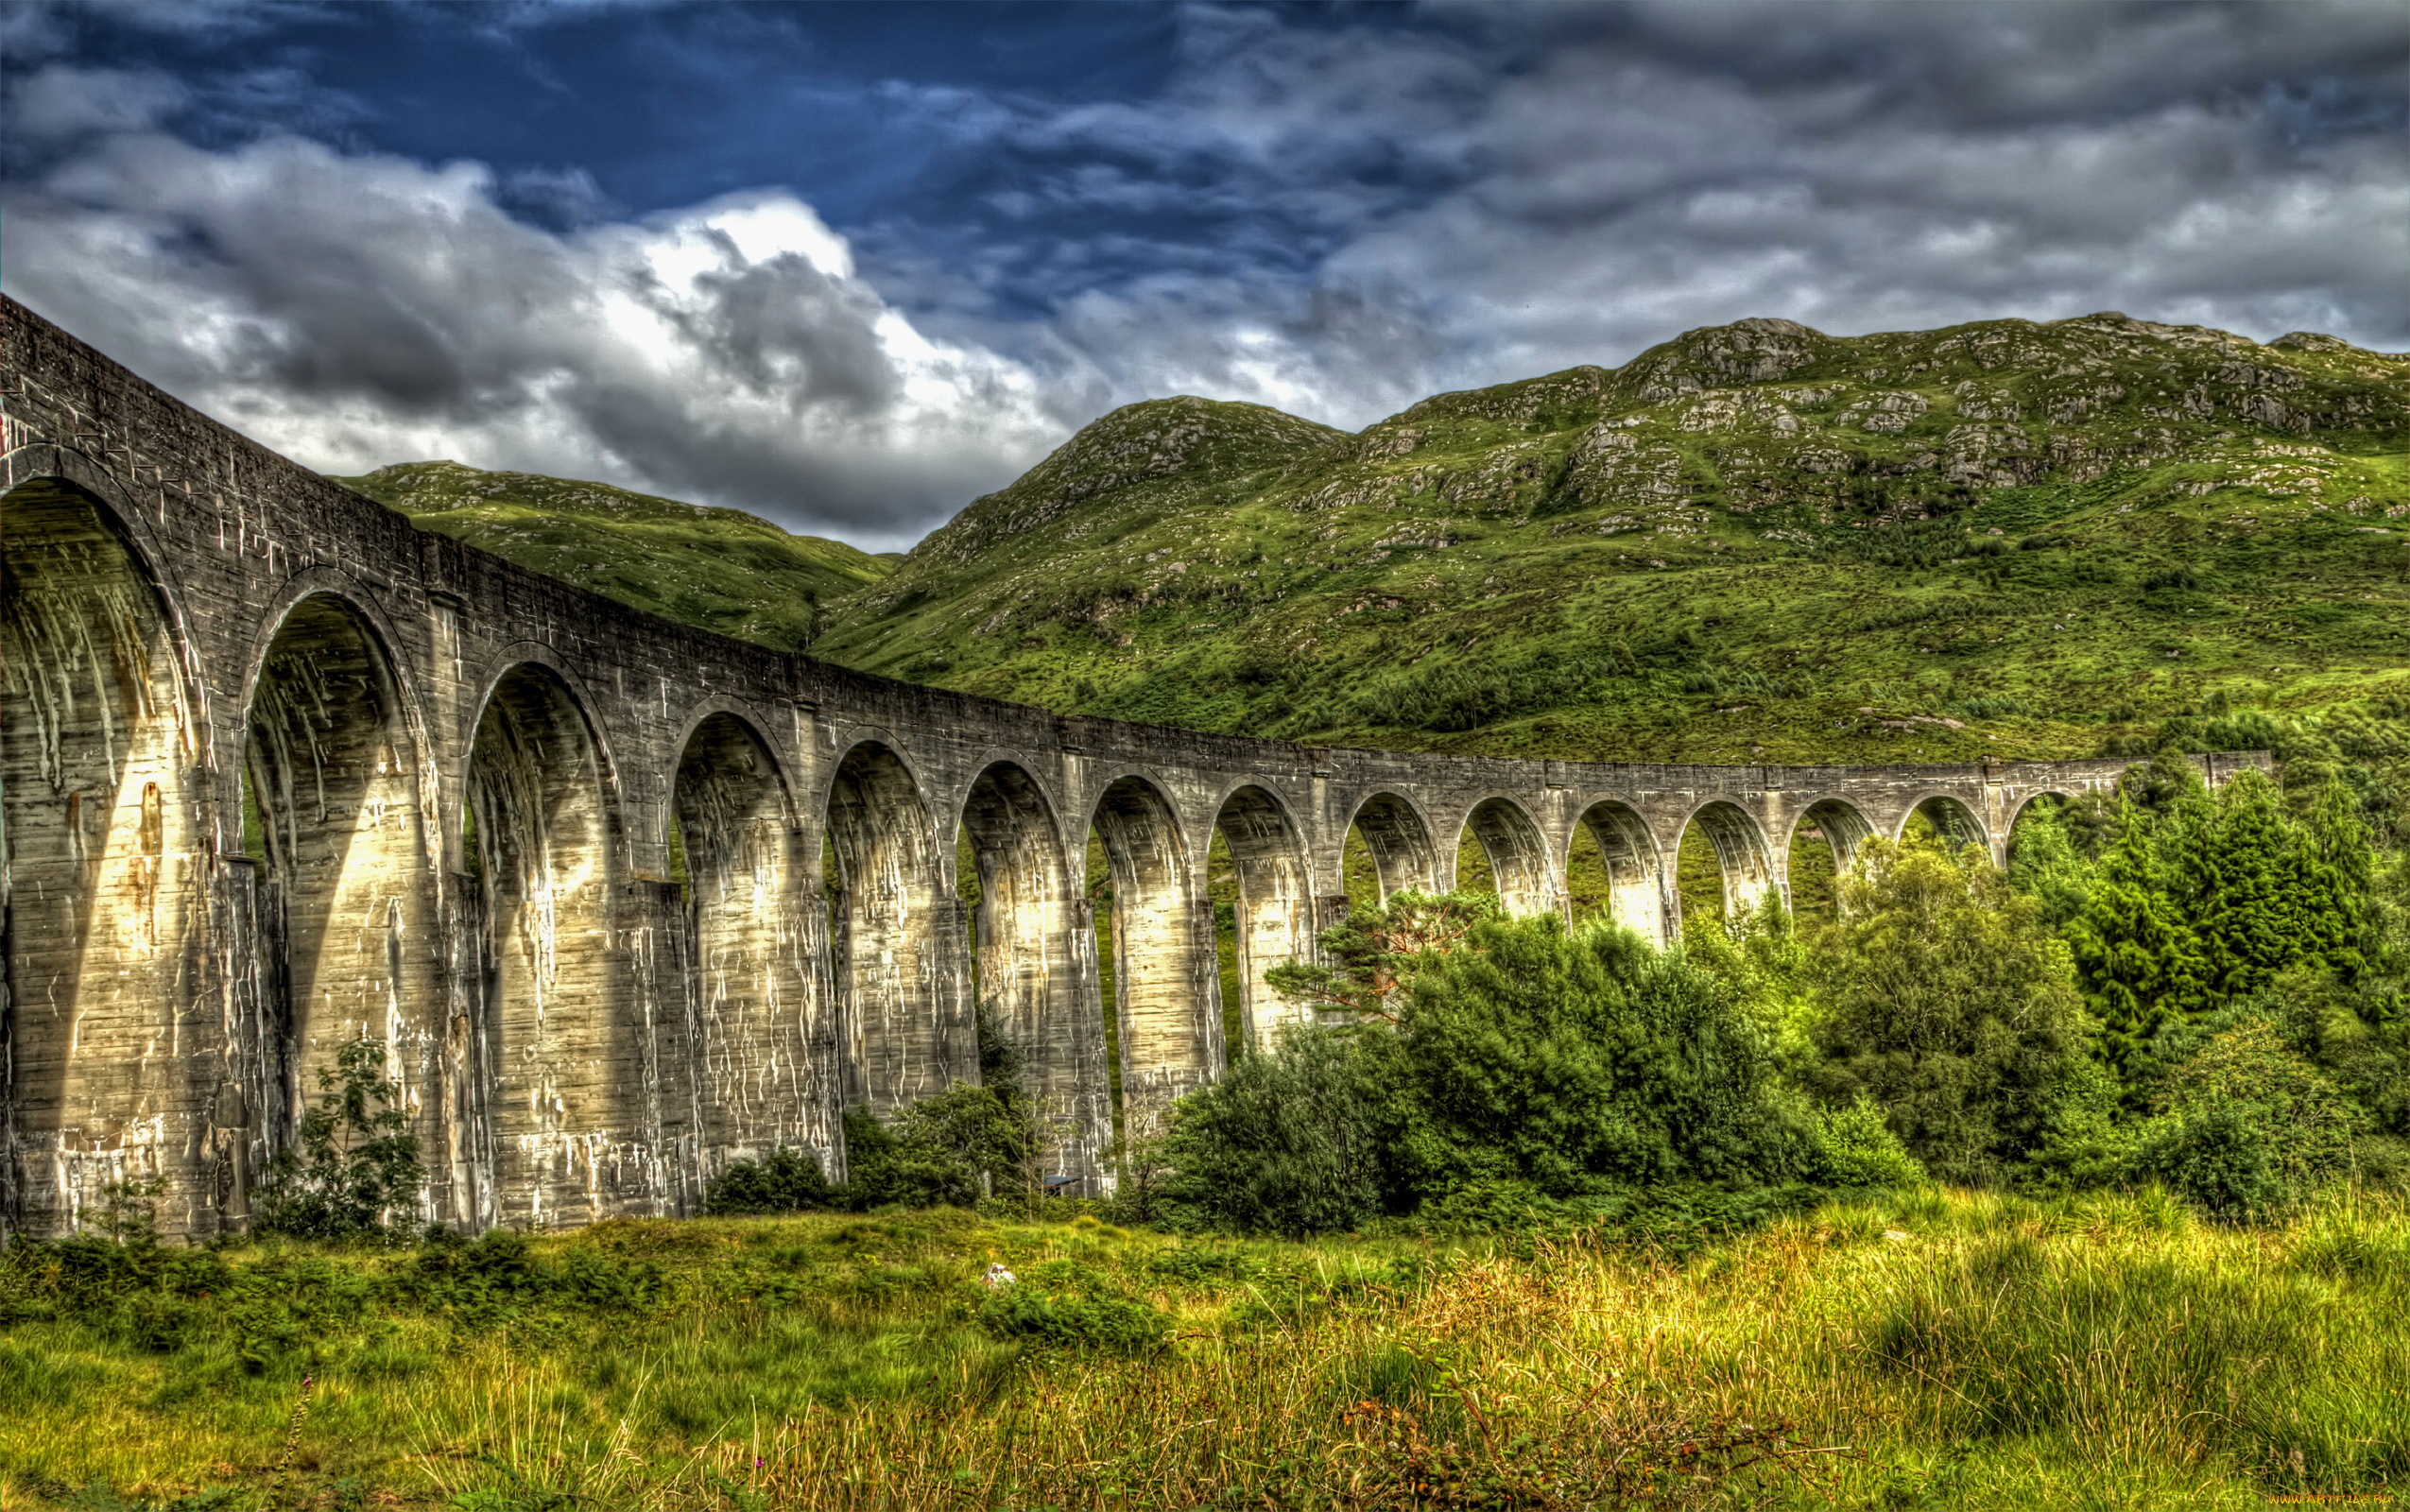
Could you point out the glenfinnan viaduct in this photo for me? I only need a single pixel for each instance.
(464, 778)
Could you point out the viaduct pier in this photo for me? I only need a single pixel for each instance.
(279, 771)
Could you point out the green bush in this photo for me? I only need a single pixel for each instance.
(1582, 1061)
(357, 1173)
(1856, 1148)
(784, 1180)
(1076, 1321)
(1505, 1055)
(2215, 1156)
(1942, 994)
(1289, 1141)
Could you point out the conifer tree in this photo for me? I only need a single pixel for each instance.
(2139, 963)
(2246, 871)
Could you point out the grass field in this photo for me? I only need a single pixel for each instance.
(1926, 1349)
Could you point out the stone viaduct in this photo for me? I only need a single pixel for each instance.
(279, 771)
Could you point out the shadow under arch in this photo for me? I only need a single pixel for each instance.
(908, 1033)
(1166, 991)
(1403, 858)
(353, 944)
(1519, 856)
(104, 891)
(1744, 861)
(1275, 908)
(557, 1041)
(1037, 969)
(1637, 893)
(1952, 819)
(762, 1042)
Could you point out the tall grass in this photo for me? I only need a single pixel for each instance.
(1947, 1349)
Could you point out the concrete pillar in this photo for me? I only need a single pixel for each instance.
(1036, 975)
(108, 860)
(1166, 979)
(764, 1076)
(564, 1104)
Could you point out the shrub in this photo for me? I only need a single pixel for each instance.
(1582, 1059)
(1087, 1323)
(784, 1180)
(1289, 1141)
(1942, 995)
(2217, 1157)
(357, 1172)
(1856, 1148)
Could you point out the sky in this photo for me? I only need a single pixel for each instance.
(847, 267)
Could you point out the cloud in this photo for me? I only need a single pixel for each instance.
(1332, 212)
(360, 310)
(64, 102)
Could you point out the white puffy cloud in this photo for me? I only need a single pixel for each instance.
(358, 310)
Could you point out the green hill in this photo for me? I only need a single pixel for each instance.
(1751, 542)
(721, 569)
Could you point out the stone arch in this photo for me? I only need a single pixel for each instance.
(1399, 837)
(1958, 823)
(1037, 969)
(1743, 858)
(351, 944)
(1275, 912)
(560, 1063)
(1166, 996)
(1840, 828)
(907, 1029)
(1637, 889)
(1519, 856)
(2030, 799)
(104, 891)
(763, 1043)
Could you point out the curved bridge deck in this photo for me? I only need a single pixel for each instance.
(623, 900)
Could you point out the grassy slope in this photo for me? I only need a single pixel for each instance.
(1751, 542)
(1981, 1351)
(721, 569)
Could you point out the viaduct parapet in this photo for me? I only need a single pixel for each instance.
(279, 772)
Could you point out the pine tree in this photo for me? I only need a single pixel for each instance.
(2333, 873)
(2139, 964)
(2247, 872)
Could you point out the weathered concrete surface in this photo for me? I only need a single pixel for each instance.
(567, 862)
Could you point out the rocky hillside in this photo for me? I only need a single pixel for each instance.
(720, 569)
(1752, 541)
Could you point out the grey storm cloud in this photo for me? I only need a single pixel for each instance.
(1387, 211)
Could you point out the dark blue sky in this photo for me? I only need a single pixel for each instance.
(846, 266)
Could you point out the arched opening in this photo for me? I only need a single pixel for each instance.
(564, 1103)
(1272, 907)
(2041, 807)
(1517, 859)
(1725, 868)
(347, 894)
(1614, 869)
(1388, 848)
(101, 907)
(908, 1033)
(764, 1044)
(1824, 844)
(1165, 993)
(1953, 823)
(1034, 965)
